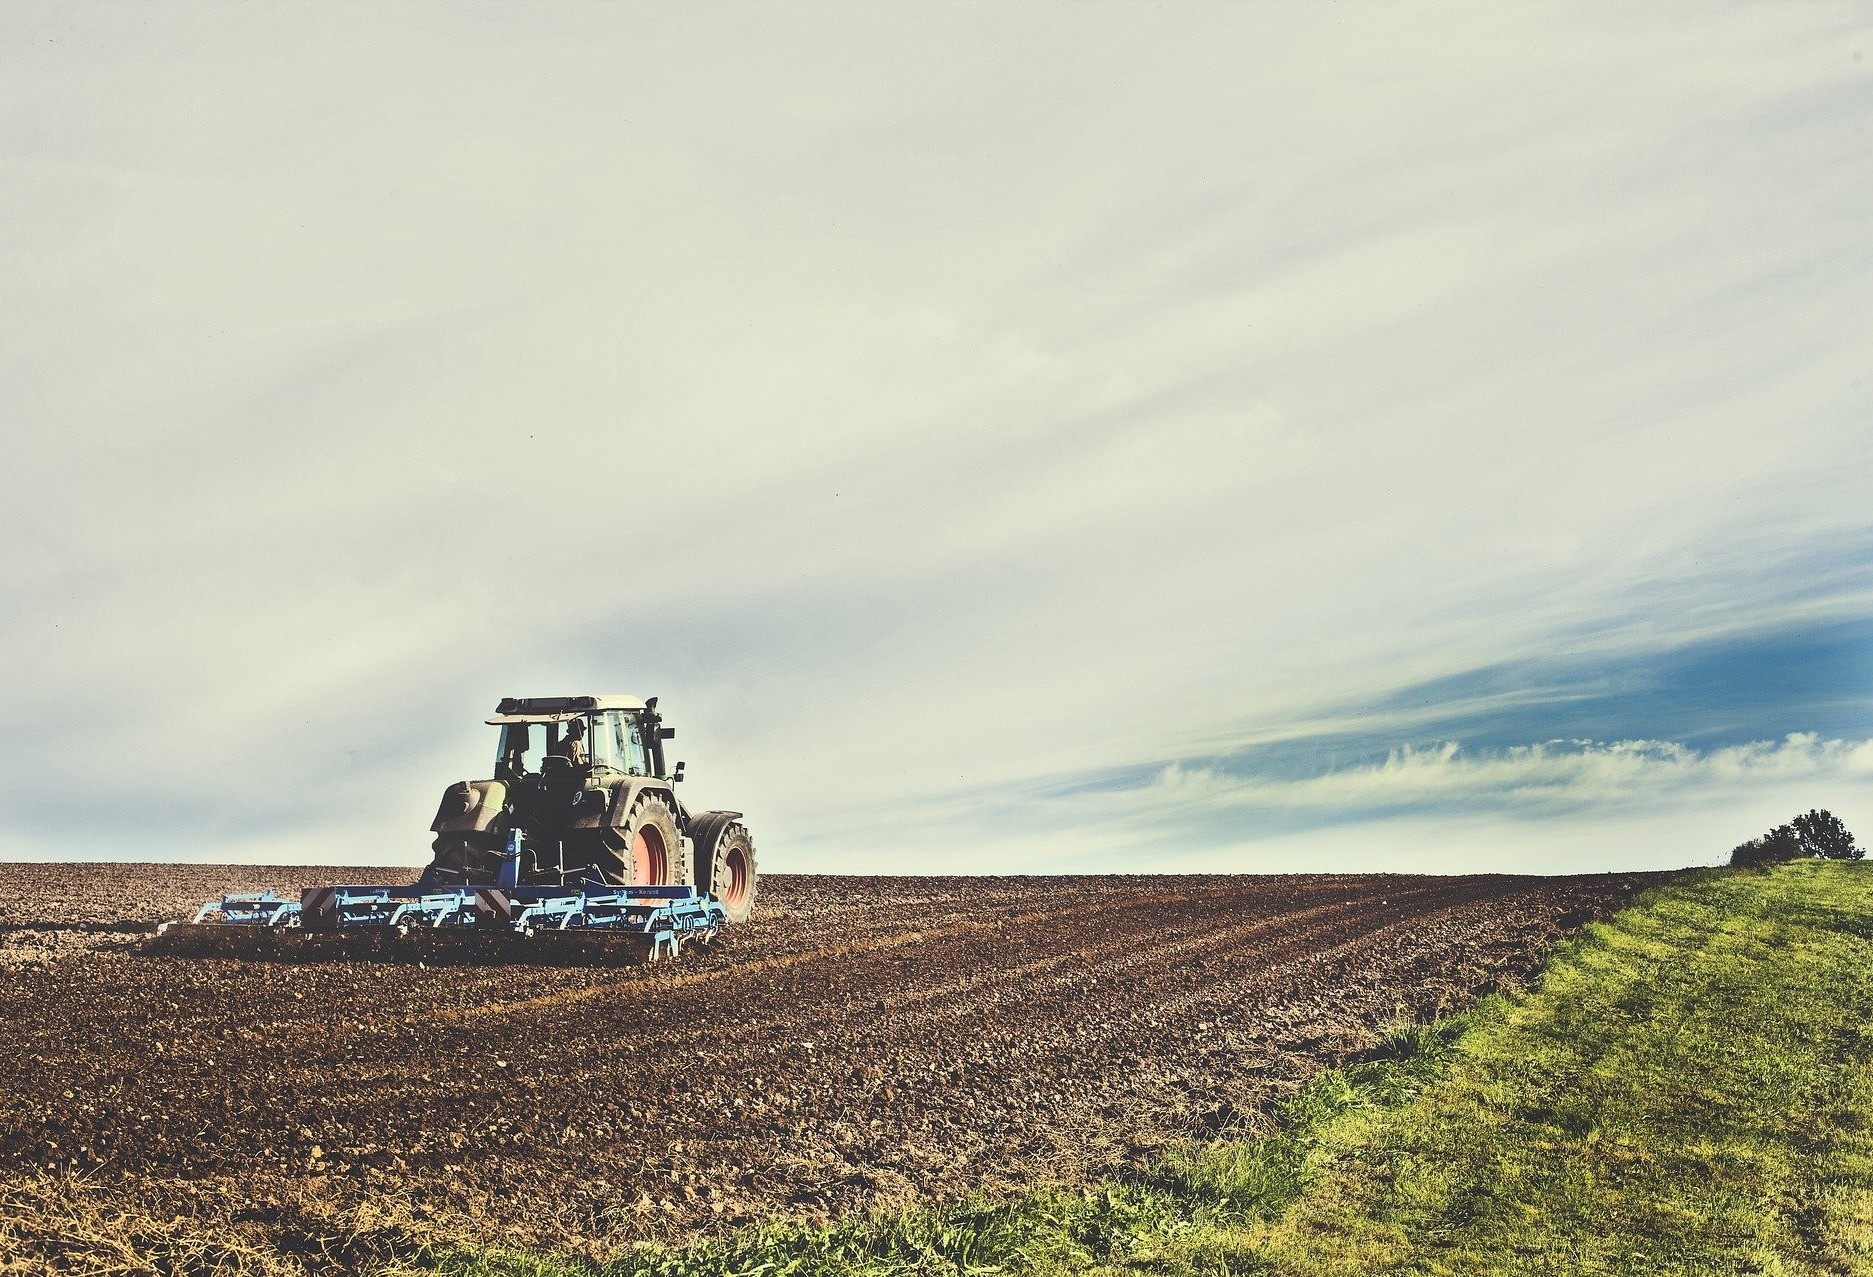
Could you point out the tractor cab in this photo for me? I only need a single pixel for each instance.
(608, 741)
(578, 737)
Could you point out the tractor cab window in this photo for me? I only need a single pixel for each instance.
(617, 743)
(523, 745)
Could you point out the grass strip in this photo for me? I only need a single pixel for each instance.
(1689, 1090)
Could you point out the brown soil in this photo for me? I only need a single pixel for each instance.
(864, 1042)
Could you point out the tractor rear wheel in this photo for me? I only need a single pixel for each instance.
(725, 864)
(645, 851)
(653, 849)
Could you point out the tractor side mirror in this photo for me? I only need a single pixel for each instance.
(678, 773)
(666, 733)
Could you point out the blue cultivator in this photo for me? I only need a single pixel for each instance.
(499, 921)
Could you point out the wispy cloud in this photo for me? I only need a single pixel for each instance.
(1539, 780)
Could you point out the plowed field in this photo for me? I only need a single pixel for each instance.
(863, 1042)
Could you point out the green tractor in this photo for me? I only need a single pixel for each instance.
(583, 781)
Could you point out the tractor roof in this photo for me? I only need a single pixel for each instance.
(557, 709)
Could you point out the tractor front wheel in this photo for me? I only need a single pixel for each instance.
(725, 863)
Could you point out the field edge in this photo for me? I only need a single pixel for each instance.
(1419, 1158)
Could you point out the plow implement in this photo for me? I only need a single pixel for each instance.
(456, 924)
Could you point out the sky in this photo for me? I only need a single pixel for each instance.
(1007, 437)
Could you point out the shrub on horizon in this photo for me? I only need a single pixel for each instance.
(1779, 844)
(1822, 834)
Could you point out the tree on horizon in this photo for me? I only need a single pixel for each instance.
(1822, 834)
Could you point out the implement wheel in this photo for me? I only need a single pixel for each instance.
(725, 865)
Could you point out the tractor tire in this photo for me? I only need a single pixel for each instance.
(651, 848)
(725, 865)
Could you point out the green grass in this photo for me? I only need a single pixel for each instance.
(1688, 1090)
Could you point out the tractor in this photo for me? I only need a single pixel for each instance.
(577, 848)
(584, 781)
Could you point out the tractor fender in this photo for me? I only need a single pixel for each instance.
(615, 811)
(469, 806)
